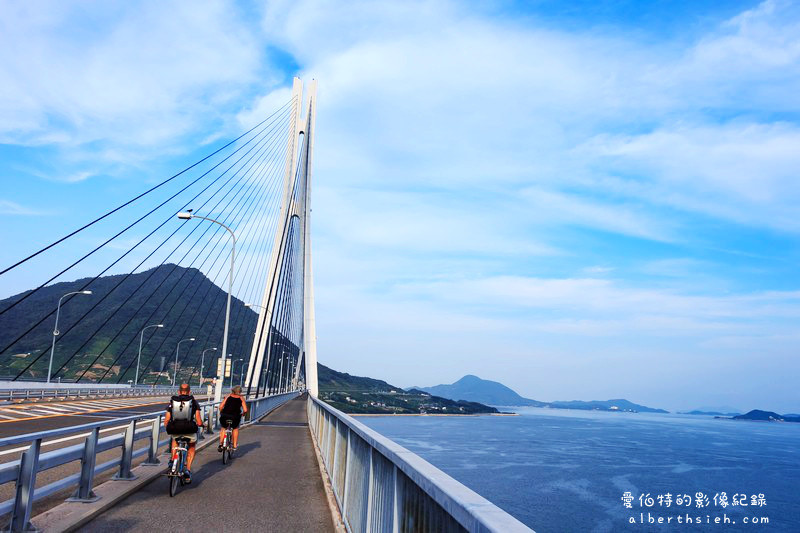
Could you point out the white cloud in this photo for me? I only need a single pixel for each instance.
(557, 208)
(741, 172)
(141, 74)
(8, 207)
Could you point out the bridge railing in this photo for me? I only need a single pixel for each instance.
(69, 393)
(381, 486)
(137, 427)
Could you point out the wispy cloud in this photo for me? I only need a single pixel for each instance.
(126, 75)
(12, 208)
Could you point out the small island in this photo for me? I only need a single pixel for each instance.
(763, 416)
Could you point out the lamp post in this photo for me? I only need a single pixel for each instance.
(267, 388)
(177, 349)
(280, 376)
(139, 357)
(202, 360)
(56, 332)
(186, 215)
(277, 385)
(233, 367)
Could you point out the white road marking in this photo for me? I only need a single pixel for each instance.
(38, 412)
(51, 409)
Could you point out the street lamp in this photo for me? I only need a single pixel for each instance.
(56, 332)
(177, 348)
(280, 376)
(290, 375)
(272, 372)
(187, 215)
(233, 366)
(139, 358)
(202, 359)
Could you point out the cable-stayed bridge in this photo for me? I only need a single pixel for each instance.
(205, 277)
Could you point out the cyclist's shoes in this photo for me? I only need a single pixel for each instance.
(187, 476)
(234, 448)
(219, 448)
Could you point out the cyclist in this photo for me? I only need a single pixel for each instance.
(182, 420)
(231, 409)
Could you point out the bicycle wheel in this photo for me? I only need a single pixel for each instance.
(225, 455)
(173, 486)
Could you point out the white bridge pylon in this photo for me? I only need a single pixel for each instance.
(295, 205)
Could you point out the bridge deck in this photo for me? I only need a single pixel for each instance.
(272, 484)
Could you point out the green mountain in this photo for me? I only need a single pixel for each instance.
(475, 389)
(99, 337)
(330, 380)
(362, 395)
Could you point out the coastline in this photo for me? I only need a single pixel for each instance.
(432, 414)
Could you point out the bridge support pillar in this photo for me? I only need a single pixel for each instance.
(152, 453)
(124, 473)
(26, 481)
(85, 492)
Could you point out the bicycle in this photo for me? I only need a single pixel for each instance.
(227, 443)
(178, 466)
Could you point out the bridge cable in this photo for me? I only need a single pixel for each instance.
(252, 187)
(62, 239)
(215, 277)
(241, 238)
(97, 277)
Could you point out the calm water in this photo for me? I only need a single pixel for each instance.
(567, 470)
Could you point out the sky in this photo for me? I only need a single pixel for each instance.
(583, 200)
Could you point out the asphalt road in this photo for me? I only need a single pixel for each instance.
(272, 484)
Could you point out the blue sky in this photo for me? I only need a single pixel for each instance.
(585, 200)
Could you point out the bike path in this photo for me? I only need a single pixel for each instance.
(273, 483)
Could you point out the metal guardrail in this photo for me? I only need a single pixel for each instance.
(380, 486)
(139, 427)
(68, 393)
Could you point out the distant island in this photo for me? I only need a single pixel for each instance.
(708, 413)
(716, 410)
(363, 395)
(473, 388)
(765, 416)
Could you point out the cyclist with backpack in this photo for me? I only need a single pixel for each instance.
(182, 420)
(231, 409)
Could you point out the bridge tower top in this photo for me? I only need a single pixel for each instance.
(286, 321)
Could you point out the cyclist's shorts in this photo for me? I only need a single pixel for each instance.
(191, 437)
(235, 420)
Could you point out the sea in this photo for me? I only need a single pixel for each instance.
(597, 471)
